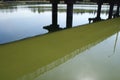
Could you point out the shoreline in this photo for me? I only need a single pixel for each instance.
(40, 2)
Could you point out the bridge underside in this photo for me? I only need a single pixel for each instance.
(55, 26)
(95, 1)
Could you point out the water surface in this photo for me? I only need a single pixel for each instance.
(23, 21)
(100, 62)
(91, 53)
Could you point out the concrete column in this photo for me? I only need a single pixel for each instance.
(54, 26)
(97, 18)
(99, 10)
(69, 15)
(54, 14)
(117, 11)
(111, 10)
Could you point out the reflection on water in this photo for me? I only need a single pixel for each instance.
(6, 8)
(92, 64)
(16, 24)
(58, 62)
(95, 61)
(64, 55)
(116, 40)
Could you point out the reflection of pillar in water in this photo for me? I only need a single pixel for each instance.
(69, 15)
(115, 45)
(111, 10)
(116, 41)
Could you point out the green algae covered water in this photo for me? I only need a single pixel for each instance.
(90, 52)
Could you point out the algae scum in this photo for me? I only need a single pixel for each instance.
(90, 52)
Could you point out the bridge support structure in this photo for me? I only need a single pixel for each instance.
(117, 11)
(111, 10)
(97, 18)
(69, 14)
(69, 18)
(54, 26)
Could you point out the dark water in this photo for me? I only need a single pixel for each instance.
(23, 21)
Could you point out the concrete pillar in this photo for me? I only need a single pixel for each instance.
(117, 11)
(99, 10)
(111, 10)
(54, 26)
(69, 12)
(54, 14)
(69, 16)
(97, 18)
